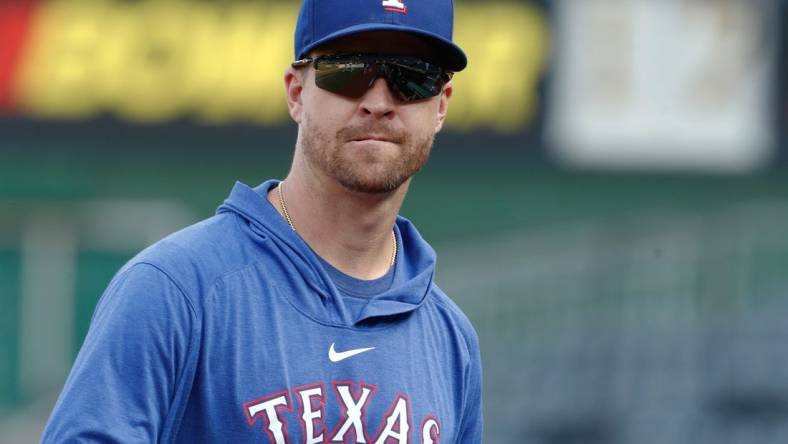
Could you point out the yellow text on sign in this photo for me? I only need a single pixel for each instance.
(155, 61)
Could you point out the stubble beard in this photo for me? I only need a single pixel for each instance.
(330, 154)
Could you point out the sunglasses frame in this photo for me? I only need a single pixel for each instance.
(390, 68)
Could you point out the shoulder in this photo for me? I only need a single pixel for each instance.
(196, 256)
(455, 317)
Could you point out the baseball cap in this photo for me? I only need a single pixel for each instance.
(321, 21)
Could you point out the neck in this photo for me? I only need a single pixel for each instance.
(348, 229)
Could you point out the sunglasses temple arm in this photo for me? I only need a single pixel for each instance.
(302, 62)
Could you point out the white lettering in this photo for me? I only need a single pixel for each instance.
(397, 423)
(269, 410)
(430, 431)
(353, 412)
(309, 416)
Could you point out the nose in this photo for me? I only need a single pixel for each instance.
(378, 101)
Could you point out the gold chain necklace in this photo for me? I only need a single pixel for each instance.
(290, 222)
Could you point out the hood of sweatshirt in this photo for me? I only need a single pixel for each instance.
(413, 273)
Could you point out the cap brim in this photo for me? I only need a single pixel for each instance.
(450, 55)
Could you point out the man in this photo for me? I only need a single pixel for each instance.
(304, 311)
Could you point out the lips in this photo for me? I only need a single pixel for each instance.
(375, 138)
(372, 133)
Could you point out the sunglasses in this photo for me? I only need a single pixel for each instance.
(352, 75)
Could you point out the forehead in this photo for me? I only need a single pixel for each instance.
(379, 42)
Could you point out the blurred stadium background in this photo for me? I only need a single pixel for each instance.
(609, 200)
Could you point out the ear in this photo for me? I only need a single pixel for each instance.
(294, 87)
(443, 104)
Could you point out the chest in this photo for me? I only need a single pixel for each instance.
(266, 372)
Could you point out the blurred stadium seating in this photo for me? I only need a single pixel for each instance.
(651, 327)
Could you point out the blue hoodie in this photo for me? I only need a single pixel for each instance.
(232, 331)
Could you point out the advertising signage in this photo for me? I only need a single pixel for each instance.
(664, 85)
(221, 63)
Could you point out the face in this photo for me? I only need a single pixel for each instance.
(372, 144)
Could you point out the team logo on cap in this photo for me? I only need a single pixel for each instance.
(395, 5)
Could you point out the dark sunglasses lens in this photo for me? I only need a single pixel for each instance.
(340, 78)
(415, 85)
(410, 78)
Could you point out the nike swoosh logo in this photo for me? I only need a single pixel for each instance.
(336, 356)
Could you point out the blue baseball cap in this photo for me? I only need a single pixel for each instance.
(321, 21)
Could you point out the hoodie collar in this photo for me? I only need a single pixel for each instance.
(320, 299)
